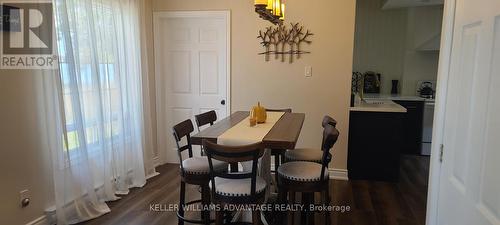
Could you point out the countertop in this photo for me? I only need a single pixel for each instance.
(396, 97)
(378, 105)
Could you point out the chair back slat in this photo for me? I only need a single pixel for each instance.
(328, 120)
(183, 148)
(234, 154)
(330, 137)
(180, 131)
(205, 118)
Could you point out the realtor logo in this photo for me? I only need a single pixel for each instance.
(27, 36)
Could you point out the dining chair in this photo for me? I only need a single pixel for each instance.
(240, 187)
(308, 177)
(205, 118)
(309, 154)
(193, 171)
(279, 154)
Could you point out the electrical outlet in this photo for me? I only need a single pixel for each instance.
(24, 198)
(308, 71)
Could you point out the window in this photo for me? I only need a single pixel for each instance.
(97, 82)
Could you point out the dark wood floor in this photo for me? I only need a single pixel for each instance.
(371, 203)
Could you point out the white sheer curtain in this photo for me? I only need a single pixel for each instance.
(98, 150)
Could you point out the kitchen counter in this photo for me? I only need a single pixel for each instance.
(381, 105)
(392, 97)
(375, 140)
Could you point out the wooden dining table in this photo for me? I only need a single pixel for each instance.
(283, 135)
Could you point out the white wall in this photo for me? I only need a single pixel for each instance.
(277, 84)
(386, 42)
(424, 23)
(24, 165)
(24, 162)
(380, 41)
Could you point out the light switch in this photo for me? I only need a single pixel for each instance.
(308, 71)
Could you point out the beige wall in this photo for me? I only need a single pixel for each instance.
(424, 23)
(25, 165)
(148, 21)
(380, 41)
(386, 42)
(278, 84)
(23, 162)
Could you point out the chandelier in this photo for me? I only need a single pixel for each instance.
(271, 10)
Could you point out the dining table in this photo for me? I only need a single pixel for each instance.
(283, 135)
(281, 131)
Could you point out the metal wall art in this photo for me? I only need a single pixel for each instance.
(282, 40)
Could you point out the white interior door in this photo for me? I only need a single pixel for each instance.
(191, 57)
(470, 174)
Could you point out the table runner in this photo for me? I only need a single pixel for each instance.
(243, 134)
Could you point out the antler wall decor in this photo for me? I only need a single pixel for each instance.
(280, 36)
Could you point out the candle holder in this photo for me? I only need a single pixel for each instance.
(271, 10)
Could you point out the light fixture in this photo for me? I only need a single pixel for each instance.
(271, 10)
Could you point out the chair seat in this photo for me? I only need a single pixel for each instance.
(199, 165)
(301, 171)
(304, 154)
(238, 187)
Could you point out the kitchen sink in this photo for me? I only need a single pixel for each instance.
(377, 102)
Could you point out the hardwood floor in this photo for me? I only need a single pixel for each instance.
(371, 203)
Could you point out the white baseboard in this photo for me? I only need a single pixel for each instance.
(42, 220)
(48, 219)
(152, 175)
(338, 174)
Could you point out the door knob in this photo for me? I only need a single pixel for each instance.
(223, 102)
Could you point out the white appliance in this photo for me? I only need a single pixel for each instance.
(428, 113)
(427, 127)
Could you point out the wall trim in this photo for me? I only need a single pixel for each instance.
(149, 176)
(156, 162)
(338, 174)
(42, 220)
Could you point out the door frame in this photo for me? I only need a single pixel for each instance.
(161, 105)
(440, 111)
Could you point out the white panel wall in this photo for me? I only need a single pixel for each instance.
(424, 23)
(380, 41)
(385, 42)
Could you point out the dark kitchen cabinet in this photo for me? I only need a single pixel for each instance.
(374, 146)
(412, 126)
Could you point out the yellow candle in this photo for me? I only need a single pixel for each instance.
(282, 11)
(270, 5)
(277, 11)
(261, 2)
